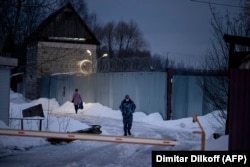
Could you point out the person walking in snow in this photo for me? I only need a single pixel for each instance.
(127, 108)
(77, 100)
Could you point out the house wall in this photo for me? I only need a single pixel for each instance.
(6, 64)
(5, 94)
(239, 116)
(54, 57)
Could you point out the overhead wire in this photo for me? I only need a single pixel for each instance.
(220, 4)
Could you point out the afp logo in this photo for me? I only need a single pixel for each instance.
(234, 158)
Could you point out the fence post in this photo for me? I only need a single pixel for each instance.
(202, 132)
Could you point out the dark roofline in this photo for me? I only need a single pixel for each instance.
(232, 39)
(8, 62)
(53, 15)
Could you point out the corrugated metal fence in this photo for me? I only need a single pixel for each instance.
(147, 89)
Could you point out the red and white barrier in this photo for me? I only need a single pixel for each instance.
(91, 137)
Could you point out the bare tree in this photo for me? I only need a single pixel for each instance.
(10, 14)
(32, 13)
(122, 40)
(19, 18)
(107, 37)
(216, 59)
(245, 17)
(120, 34)
(129, 38)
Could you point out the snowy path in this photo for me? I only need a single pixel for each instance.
(92, 153)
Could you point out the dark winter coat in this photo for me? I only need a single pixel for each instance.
(127, 108)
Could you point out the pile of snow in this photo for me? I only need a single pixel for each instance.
(57, 119)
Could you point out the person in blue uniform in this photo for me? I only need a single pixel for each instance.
(127, 108)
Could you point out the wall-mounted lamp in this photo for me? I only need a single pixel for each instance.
(104, 55)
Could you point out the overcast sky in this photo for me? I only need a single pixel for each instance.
(177, 28)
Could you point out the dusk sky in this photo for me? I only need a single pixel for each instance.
(177, 28)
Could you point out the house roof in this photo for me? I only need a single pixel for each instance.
(64, 25)
(236, 58)
(232, 39)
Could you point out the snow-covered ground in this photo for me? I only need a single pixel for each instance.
(33, 151)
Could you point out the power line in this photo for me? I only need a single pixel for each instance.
(220, 4)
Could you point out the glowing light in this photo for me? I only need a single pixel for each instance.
(105, 55)
(85, 66)
(89, 52)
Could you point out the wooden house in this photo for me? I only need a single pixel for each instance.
(239, 94)
(62, 43)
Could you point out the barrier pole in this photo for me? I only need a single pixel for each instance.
(91, 137)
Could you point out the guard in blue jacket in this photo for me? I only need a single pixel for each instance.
(127, 108)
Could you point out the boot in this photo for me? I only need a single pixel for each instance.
(125, 130)
(129, 133)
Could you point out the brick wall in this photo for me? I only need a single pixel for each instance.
(64, 58)
(53, 57)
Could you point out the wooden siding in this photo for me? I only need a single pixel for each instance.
(239, 105)
(65, 22)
